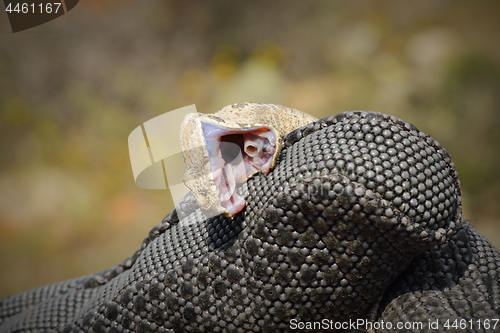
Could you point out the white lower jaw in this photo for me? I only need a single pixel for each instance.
(225, 182)
(234, 205)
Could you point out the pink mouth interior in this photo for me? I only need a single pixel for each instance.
(235, 155)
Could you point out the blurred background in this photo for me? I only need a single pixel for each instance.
(73, 89)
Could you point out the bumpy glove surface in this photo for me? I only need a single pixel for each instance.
(359, 219)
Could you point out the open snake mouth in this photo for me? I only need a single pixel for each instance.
(235, 156)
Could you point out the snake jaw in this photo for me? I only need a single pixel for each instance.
(229, 199)
(232, 154)
(224, 149)
(236, 154)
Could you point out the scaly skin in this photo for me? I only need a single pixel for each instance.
(359, 219)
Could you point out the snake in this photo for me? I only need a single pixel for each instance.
(356, 226)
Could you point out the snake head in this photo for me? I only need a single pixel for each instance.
(219, 155)
(224, 149)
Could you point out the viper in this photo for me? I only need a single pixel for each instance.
(360, 218)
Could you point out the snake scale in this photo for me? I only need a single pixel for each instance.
(360, 218)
